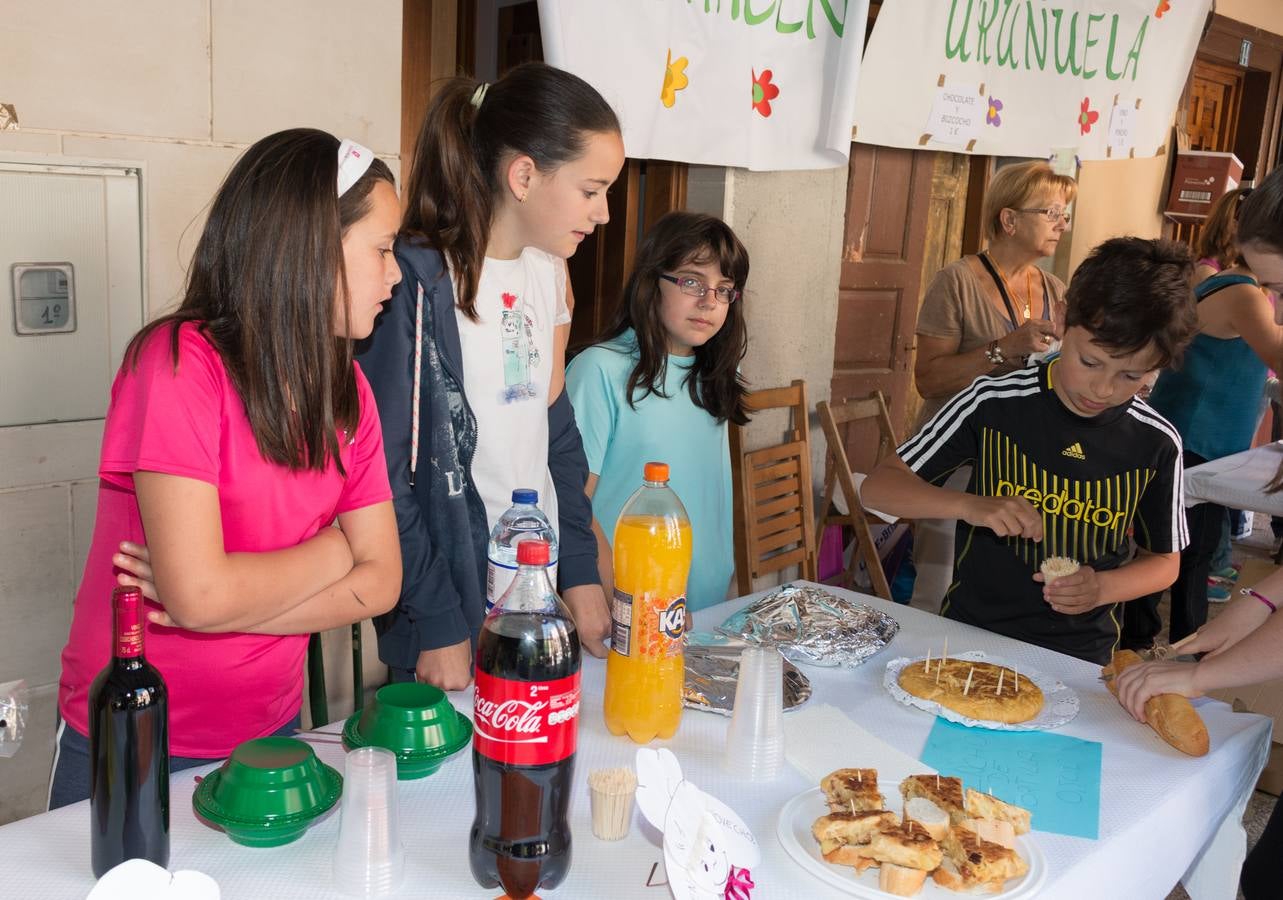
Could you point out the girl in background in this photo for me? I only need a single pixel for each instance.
(238, 429)
(1242, 644)
(664, 382)
(468, 363)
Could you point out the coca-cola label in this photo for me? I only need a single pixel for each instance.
(525, 723)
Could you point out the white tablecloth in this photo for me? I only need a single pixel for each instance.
(1238, 481)
(1159, 808)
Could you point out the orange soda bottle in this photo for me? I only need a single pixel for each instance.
(644, 670)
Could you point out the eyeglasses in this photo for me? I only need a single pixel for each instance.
(1052, 214)
(693, 287)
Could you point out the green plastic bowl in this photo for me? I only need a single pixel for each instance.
(268, 792)
(416, 722)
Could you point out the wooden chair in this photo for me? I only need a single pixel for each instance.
(774, 519)
(832, 419)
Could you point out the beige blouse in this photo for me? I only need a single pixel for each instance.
(963, 302)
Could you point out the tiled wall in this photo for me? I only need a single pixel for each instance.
(182, 87)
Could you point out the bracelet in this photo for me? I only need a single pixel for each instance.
(994, 354)
(1264, 599)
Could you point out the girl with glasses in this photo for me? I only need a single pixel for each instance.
(662, 383)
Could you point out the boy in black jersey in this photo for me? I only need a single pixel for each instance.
(1066, 461)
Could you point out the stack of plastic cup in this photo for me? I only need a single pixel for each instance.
(755, 739)
(369, 860)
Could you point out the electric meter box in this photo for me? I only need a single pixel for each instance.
(71, 260)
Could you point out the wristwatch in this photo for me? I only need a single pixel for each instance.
(994, 354)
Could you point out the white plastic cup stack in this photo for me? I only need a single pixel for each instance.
(369, 860)
(755, 739)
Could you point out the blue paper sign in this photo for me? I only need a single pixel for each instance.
(1055, 777)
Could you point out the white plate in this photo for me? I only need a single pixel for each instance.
(1060, 701)
(794, 830)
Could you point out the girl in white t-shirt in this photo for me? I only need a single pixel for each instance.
(469, 369)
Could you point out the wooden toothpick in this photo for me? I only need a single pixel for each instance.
(937, 781)
(966, 687)
(851, 800)
(859, 775)
(1000, 674)
(926, 666)
(945, 653)
(1016, 669)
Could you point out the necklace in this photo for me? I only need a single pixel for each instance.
(1029, 285)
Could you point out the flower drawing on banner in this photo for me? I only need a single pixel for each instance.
(1163, 6)
(991, 114)
(674, 79)
(764, 92)
(1086, 117)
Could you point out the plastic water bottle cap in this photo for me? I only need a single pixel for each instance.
(533, 552)
(655, 471)
(525, 495)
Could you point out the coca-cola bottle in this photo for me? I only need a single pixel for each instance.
(526, 726)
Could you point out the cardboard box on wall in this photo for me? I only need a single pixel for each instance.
(1265, 698)
(1201, 177)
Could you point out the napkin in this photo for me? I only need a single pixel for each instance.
(821, 738)
(139, 879)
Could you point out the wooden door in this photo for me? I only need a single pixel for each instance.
(889, 194)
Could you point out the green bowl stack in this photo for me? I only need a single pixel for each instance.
(268, 792)
(416, 722)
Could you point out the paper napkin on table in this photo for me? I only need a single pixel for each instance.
(138, 879)
(821, 738)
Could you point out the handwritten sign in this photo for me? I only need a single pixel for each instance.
(1122, 129)
(957, 114)
(1055, 777)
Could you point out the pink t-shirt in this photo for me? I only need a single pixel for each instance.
(223, 688)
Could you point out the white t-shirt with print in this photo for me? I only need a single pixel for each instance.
(507, 369)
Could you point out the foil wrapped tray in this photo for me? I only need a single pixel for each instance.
(813, 627)
(712, 673)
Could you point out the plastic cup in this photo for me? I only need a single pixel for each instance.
(369, 860)
(755, 738)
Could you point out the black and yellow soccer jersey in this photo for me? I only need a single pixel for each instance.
(1093, 479)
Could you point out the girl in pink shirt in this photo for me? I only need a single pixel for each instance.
(239, 429)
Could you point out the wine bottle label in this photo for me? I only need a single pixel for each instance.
(525, 723)
(129, 624)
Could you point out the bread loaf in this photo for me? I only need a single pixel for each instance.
(1171, 715)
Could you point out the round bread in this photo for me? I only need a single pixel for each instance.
(1054, 567)
(982, 700)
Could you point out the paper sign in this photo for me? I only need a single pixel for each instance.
(1055, 777)
(957, 115)
(1122, 129)
(1064, 161)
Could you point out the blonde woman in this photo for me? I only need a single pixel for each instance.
(985, 314)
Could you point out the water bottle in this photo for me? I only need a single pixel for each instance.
(523, 520)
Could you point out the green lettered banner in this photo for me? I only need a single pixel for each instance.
(1027, 77)
(762, 84)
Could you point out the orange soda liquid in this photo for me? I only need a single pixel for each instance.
(644, 670)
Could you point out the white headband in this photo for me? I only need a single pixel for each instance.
(353, 162)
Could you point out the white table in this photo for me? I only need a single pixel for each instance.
(1238, 481)
(1159, 809)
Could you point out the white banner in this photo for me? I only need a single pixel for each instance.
(762, 84)
(1027, 77)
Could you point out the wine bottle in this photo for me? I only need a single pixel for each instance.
(128, 748)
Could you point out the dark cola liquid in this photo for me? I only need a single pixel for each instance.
(521, 834)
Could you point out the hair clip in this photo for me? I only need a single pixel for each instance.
(479, 95)
(354, 160)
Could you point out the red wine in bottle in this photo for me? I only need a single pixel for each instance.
(128, 748)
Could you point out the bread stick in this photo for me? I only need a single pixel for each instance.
(1170, 715)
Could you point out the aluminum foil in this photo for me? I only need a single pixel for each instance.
(713, 672)
(813, 627)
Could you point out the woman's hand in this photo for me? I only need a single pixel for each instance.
(1035, 336)
(1235, 622)
(135, 562)
(1140, 682)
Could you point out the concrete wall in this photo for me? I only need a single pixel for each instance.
(183, 88)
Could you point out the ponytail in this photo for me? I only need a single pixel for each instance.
(456, 179)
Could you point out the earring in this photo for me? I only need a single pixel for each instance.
(521, 199)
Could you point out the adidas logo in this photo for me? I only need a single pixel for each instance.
(1074, 451)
